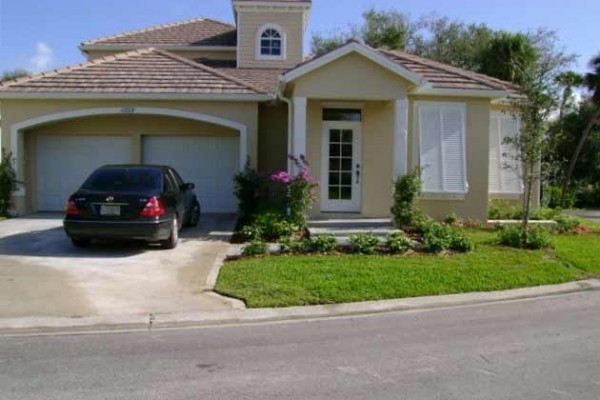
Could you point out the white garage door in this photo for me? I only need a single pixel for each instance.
(64, 162)
(208, 162)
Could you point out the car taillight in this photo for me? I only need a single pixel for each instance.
(153, 208)
(71, 208)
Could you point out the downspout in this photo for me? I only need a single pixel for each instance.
(288, 101)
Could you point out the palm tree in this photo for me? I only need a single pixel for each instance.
(568, 81)
(592, 82)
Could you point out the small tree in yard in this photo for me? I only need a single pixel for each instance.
(534, 109)
(8, 182)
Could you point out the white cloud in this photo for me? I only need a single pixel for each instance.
(44, 57)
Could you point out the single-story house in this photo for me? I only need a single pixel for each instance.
(205, 96)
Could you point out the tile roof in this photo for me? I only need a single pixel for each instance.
(141, 71)
(193, 32)
(264, 78)
(443, 76)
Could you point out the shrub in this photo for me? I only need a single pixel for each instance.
(453, 219)
(566, 223)
(300, 191)
(249, 190)
(364, 243)
(436, 237)
(322, 243)
(461, 243)
(588, 196)
(552, 196)
(406, 191)
(255, 248)
(269, 226)
(8, 182)
(536, 237)
(398, 243)
(291, 245)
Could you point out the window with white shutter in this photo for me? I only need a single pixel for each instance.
(505, 170)
(442, 143)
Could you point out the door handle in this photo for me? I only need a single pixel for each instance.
(357, 173)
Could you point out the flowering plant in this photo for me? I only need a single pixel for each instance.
(300, 189)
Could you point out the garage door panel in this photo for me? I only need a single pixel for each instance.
(64, 162)
(208, 162)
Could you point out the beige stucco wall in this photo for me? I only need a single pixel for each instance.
(475, 203)
(213, 55)
(17, 111)
(272, 137)
(352, 77)
(249, 22)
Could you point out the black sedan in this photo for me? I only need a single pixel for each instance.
(131, 202)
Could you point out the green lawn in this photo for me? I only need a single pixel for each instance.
(307, 280)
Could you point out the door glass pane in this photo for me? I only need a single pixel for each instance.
(342, 114)
(346, 193)
(340, 186)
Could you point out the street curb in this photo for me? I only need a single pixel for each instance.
(126, 323)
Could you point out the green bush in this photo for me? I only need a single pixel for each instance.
(269, 226)
(291, 245)
(453, 219)
(364, 243)
(255, 248)
(250, 190)
(406, 191)
(8, 182)
(461, 243)
(536, 237)
(436, 237)
(566, 223)
(322, 243)
(552, 196)
(398, 243)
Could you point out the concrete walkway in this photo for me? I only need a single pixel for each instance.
(43, 275)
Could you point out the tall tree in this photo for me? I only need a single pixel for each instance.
(508, 57)
(592, 82)
(386, 29)
(568, 81)
(14, 74)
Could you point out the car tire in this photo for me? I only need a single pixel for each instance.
(80, 242)
(194, 218)
(173, 239)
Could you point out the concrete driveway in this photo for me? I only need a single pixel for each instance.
(42, 274)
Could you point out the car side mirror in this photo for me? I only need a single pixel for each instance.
(188, 186)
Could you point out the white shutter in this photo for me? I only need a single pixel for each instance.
(442, 147)
(505, 169)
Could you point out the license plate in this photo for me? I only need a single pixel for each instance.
(110, 211)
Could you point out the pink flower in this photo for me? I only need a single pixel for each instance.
(282, 177)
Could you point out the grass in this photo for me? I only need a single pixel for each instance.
(308, 280)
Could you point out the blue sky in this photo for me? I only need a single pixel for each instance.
(39, 35)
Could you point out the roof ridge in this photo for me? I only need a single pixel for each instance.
(143, 30)
(481, 78)
(75, 67)
(219, 22)
(206, 68)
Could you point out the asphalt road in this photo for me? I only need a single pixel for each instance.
(537, 349)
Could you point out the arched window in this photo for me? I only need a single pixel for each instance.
(271, 43)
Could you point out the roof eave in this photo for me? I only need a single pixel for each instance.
(475, 93)
(122, 47)
(10, 95)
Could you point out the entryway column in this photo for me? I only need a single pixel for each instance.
(400, 137)
(299, 132)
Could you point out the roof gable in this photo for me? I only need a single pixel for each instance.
(353, 47)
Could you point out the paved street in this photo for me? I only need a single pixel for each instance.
(43, 275)
(536, 349)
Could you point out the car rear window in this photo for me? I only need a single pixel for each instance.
(124, 180)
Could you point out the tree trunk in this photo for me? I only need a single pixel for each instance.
(529, 179)
(576, 154)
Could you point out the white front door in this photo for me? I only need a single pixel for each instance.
(341, 170)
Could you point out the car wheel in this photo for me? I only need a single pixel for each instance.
(194, 215)
(173, 239)
(80, 242)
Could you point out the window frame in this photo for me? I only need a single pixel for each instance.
(506, 194)
(261, 30)
(442, 194)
